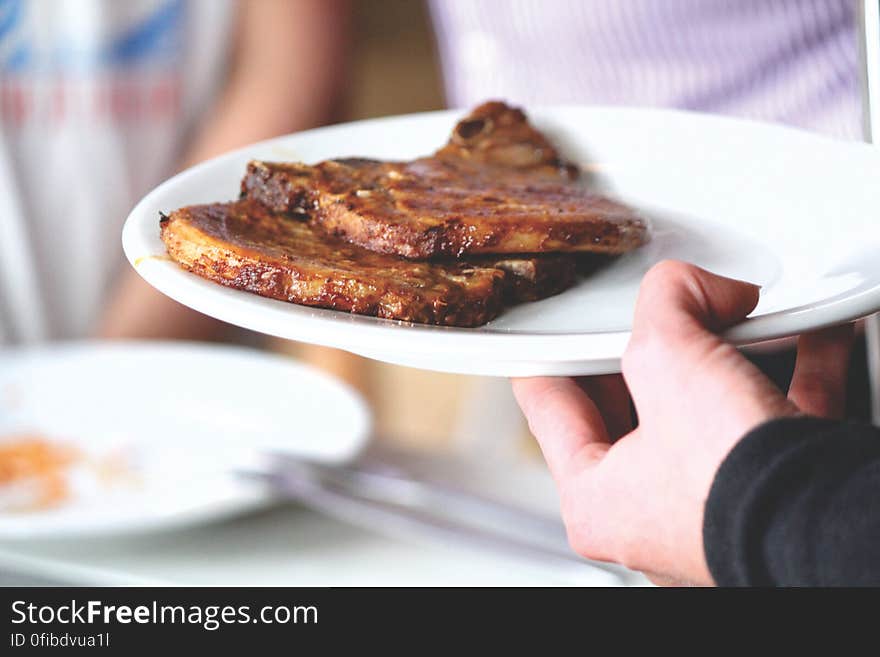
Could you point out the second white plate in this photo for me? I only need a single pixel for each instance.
(160, 429)
(793, 212)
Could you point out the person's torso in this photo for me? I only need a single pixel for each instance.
(96, 98)
(793, 61)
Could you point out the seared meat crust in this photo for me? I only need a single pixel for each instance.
(245, 246)
(534, 277)
(498, 186)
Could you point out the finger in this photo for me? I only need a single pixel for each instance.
(818, 385)
(675, 294)
(679, 309)
(611, 397)
(565, 422)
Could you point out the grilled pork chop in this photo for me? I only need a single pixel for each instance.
(246, 246)
(498, 186)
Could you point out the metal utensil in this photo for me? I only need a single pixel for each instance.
(388, 498)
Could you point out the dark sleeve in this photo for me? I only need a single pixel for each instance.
(797, 503)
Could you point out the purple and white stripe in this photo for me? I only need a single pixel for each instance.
(792, 61)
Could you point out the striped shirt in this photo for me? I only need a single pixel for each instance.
(792, 61)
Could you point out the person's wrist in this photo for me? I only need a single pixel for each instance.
(747, 409)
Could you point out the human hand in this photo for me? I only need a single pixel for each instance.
(639, 501)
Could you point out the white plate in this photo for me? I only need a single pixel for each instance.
(796, 213)
(172, 422)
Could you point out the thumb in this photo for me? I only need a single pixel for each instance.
(674, 346)
(677, 297)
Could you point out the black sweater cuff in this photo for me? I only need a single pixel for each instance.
(797, 502)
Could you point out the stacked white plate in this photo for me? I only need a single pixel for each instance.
(159, 432)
